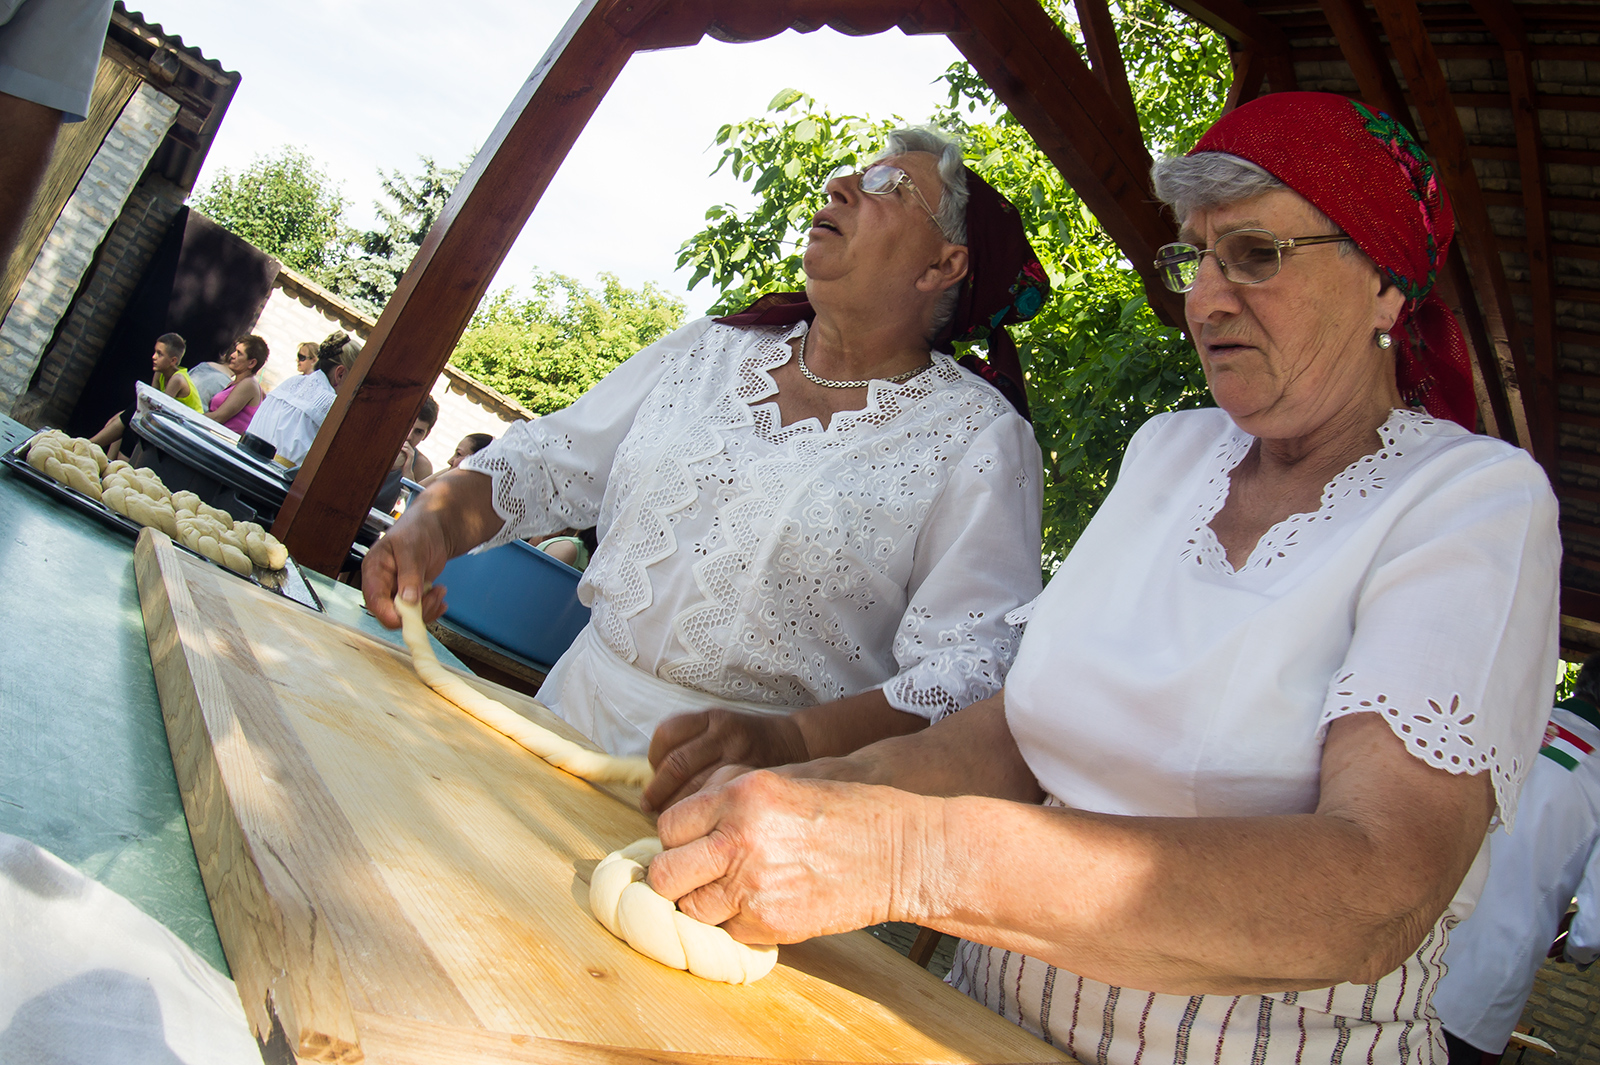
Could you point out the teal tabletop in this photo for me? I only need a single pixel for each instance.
(85, 771)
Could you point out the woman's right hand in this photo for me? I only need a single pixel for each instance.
(453, 516)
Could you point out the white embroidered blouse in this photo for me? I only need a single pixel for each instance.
(787, 565)
(1155, 680)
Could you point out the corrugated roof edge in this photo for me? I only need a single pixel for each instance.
(172, 41)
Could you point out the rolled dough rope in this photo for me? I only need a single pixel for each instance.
(557, 750)
(630, 909)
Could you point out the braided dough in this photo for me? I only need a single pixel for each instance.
(630, 909)
(558, 751)
(618, 897)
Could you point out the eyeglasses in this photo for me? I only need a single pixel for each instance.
(880, 179)
(308, 358)
(1246, 256)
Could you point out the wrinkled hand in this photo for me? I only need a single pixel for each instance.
(405, 560)
(687, 748)
(780, 861)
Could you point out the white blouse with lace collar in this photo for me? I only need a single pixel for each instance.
(1157, 680)
(787, 565)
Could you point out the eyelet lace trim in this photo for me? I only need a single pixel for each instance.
(1363, 479)
(801, 590)
(548, 487)
(1440, 735)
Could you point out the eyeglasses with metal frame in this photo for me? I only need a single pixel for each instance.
(880, 179)
(1246, 257)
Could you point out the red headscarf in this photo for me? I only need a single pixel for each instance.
(1004, 284)
(1365, 172)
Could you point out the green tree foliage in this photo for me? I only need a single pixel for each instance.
(1099, 362)
(547, 349)
(283, 203)
(373, 262)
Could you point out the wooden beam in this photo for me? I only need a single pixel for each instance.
(1037, 73)
(1447, 144)
(1105, 54)
(1249, 71)
(436, 298)
(1374, 74)
(1501, 17)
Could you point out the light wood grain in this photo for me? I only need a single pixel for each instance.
(393, 879)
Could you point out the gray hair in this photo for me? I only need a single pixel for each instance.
(952, 212)
(1189, 183)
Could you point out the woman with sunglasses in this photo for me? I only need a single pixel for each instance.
(812, 520)
(1238, 784)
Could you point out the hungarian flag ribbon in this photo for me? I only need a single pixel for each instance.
(1564, 747)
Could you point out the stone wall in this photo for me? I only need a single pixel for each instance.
(66, 366)
(53, 282)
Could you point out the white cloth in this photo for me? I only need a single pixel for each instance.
(50, 51)
(1534, 873)
(614, 704)
(1154, 680)
(86, 978)
(292, 413)
(787, 565)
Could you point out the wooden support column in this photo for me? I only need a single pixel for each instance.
(1380, 88)
(431, 307)
(1038, 74)
(1408, 39)
(1105, 54)
(1249, 70)
(1504, 21)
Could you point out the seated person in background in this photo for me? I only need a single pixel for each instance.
(1534, 872)
(470, 444)
(306, 357)
(169, 377)
(812, 518)
(211, 377)
(291, 415)
(235, 405)
(571, 546)
(410, 464)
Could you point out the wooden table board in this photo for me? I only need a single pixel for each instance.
(395, 882)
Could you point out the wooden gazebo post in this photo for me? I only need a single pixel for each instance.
(1083, 119)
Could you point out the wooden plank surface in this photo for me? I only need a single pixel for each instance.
(394, 882)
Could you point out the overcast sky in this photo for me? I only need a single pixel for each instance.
(363, 86)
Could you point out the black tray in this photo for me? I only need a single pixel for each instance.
(288, 582)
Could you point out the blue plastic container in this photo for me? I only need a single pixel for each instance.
(518, 597)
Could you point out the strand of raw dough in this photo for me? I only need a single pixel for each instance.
(557, 750)
(621, 899)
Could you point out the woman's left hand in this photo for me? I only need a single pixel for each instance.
(774, 860)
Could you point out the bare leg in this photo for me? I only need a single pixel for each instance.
(28, 130)
(110, 438)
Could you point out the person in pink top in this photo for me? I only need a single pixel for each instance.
(235, 405)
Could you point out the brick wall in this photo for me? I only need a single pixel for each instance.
(1564, 1011)
(65, 367)
(57, 274)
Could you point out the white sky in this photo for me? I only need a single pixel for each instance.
(362, 86)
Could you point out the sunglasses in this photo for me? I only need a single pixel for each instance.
(1246, 257)
(881, 179)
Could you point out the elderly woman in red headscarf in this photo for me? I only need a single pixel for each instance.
(1237, 787)
(812, 521)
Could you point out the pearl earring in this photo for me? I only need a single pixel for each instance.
(1385, 341)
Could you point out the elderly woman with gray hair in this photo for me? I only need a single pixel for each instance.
(812, 521)
(1237, 787)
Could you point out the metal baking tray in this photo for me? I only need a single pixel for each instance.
(288, 582)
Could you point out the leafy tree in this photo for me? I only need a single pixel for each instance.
(1099, 363)
(547, 349)
(285, 204)
(373, 262)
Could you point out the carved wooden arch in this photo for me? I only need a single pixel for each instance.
(1081, 116)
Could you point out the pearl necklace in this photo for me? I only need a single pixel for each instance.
(825, 383)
